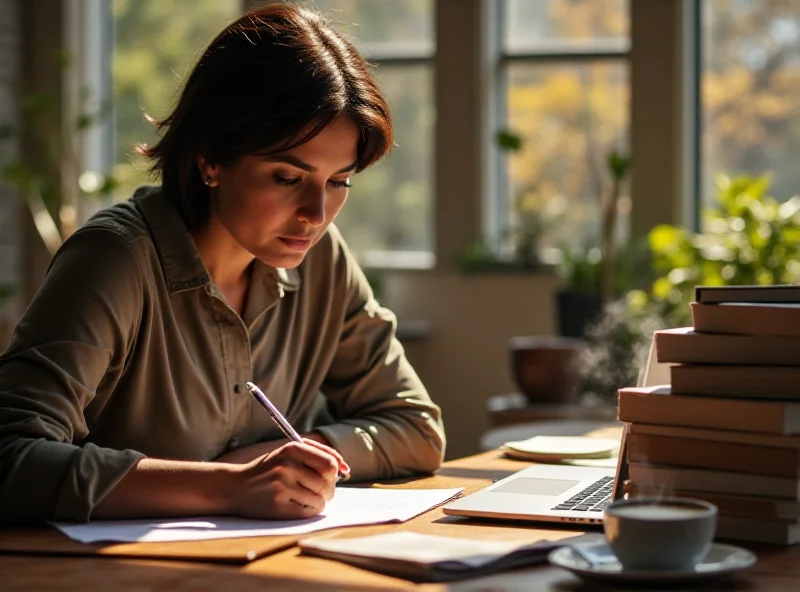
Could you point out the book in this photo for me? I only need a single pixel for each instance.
(758, 530)
(669, 479)
(716, 435)
(426, 557)
(687, 346)
(758, 382)
(782, 319)
(560, 448)
(656, 405)
(718, 294)
(718, 456)
(731, 505)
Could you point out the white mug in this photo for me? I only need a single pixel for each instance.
(660, 533)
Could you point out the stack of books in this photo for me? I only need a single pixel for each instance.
(727, 428)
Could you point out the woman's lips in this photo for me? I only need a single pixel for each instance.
(296, 244)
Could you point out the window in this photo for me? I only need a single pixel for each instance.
(565, 74)
(155, 46)
(750, 81)
(388, 218)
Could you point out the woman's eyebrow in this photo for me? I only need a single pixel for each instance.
(301, 164)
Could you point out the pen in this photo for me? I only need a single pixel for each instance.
(279, 419)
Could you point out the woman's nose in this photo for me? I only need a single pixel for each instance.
(312, 207)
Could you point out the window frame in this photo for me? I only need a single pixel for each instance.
(383, 259)
(505, 58)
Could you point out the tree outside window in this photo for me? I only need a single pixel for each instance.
(565, 68)
(750, 86)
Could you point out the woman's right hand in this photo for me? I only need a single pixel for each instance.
(294, 481)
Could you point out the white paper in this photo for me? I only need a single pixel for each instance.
(349, 507)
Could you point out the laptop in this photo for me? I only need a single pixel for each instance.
(558, 493)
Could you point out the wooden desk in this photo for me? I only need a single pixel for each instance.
(778, 568)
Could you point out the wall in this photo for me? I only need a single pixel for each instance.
(465, 358)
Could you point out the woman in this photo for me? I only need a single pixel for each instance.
(122, 394)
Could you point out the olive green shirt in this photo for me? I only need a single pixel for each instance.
(129, 350)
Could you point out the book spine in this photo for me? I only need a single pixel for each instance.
(718, 456)
(736, 381)
(668, 479)
(747, 294)
(731, 505)
(703, 433)
(746, 320)
(776, 532)
(709, 348)
(698, 412)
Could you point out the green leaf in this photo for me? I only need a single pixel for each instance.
(84, 121)
(619, 165)
(508, 140)
(665, 237)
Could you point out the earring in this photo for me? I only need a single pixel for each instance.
(208, 180)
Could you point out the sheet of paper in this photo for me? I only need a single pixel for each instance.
(349, 507)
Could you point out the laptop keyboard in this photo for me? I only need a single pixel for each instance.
(594, 498)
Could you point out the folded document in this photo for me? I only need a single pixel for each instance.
(425, 557)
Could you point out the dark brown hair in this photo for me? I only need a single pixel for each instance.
(269, 82)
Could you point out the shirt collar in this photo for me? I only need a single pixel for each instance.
(182, 265)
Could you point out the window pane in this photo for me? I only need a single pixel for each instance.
(750, 86)
(569, 117)
(389, 206)
(155, 46)
(397, 27)
(562, 25)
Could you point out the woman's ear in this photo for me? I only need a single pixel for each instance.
(208, 172)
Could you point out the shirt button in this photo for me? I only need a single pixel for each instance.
(236, 388)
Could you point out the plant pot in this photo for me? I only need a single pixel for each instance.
(577, 311)
(545, 368)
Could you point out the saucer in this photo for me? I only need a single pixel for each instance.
(721, 560)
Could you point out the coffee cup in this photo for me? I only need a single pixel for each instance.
(665, 533)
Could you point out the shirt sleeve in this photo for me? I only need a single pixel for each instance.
(388, 425)
(75, 334)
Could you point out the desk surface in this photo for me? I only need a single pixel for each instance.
(778, 568)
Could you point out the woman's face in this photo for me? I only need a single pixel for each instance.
(277, 207)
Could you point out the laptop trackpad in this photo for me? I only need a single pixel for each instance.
(535, 486)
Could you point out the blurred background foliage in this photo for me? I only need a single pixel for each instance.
(49, 179)
(749, 238)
